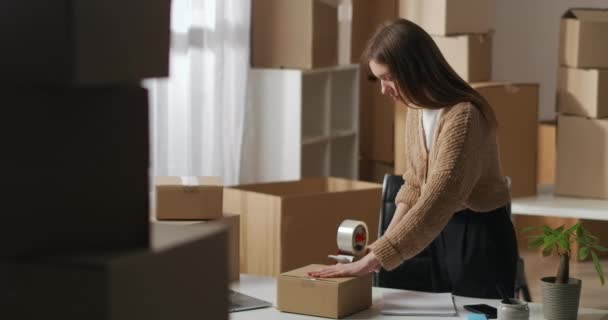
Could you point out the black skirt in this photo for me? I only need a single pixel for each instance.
(473, 254)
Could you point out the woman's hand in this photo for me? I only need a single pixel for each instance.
(368, 264)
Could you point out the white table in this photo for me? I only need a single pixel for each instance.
(545, 203)
(265, 288)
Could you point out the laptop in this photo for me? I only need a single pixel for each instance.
(243, 302)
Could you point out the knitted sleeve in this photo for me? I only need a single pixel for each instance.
(449, 182)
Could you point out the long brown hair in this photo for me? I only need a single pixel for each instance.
(420, 71)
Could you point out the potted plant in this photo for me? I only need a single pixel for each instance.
(561, 293)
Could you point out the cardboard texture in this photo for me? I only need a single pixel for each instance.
(547, 153)
(374, 171)
(400, 117)
(84, 42)
(516, 109)
(450, 17)
(188, 198)
(83, 158)
(287, 225)
(584, 38)
(175, 279)
(330, 298)
(367, 17)
(583, 92)
(582, 153)
(299, 34)
(232, 221)
(377, 121)
(469, 55)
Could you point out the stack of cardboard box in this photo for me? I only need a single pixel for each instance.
(463, 32)
(76, 240)
(194, 201)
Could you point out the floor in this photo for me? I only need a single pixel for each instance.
(593, 295)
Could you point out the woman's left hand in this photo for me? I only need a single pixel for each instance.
(368, 264)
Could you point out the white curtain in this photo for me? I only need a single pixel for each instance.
(198, 113)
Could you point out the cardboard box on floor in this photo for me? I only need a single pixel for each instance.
(188, 198)
(183, 276)
(377, 121)
(583, 92)
(330, 298)
(83, 159)
(469, 55)
(299, 34)
(516, 109)
(584, 38)
(374, 171)
(84, 42)
(400, 117)
(547, 153)
(582, 150)
(232, 221)
(450, 17)
(287, 225)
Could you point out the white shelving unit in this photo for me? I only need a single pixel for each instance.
(302, 123)
(545, 203)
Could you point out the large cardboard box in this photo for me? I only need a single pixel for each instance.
(84, 42)
(330, 298)
(188, 198)
(287, 225)
(183, 276)
(76, 175)
(582, 150)
(516, 109)
(376, 121)
(583, 92)
(374, 171)
(366, 17)
(449, 17)
(584, 38)
(469, 55)
(400, 151)
(547, 152)
(300, 34)
(230, 220)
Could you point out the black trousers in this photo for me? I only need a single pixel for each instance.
(472, 255)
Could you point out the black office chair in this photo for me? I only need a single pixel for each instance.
(414, 273)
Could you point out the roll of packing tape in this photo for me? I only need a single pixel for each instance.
(352, 237)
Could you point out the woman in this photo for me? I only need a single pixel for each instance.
(455, 199)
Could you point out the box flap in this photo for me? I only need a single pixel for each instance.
(587, 15)
(181, 181)
(303, 273)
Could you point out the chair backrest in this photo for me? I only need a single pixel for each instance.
(390, 188)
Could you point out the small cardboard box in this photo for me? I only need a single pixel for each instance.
(65, 42)
(582, 150)
(183, 276)
(547, 153)
(287, 225)
(583, 92)
(450, 17)
(584, 38)
(376, 121)
(232, 221)
(298, 34)
(516, 109)
(82, 182)
(469, 55)
(330, 298)
(188, 198)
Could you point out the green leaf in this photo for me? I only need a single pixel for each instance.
(559, 230)
(583, 253)
(600, 248)
(536, 242)
(573, 228)
(598, 266)
(547, 231)
(547, 251)
(563, 243)
(549, 241)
